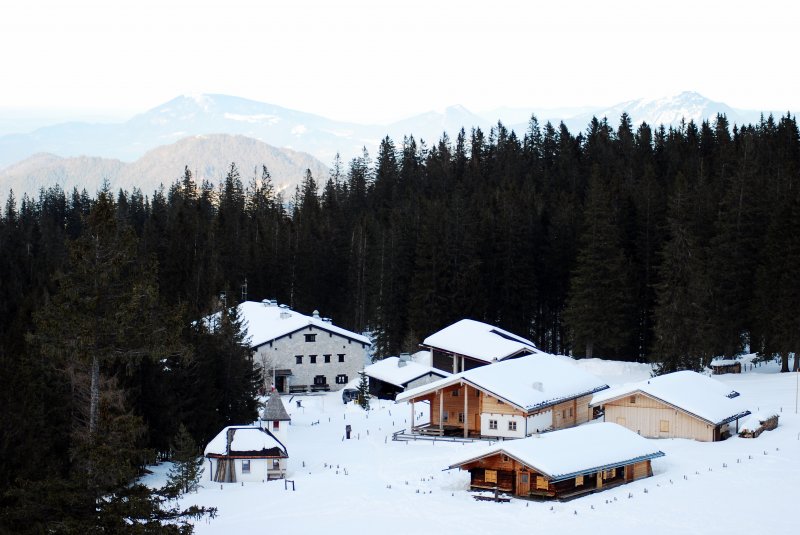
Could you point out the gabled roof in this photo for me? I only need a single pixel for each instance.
(274, 409)
(390, 371)
(691, 392)
(266, 322)
(568, 453)
(530, 383)
(245, 441)
(479, 341)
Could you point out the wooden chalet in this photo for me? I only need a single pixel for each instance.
(392, 375)
(469, 344)
(510, 399)
(683, 404)
(245, 453)
(563, 464)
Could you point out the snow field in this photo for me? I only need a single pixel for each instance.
(370, 482)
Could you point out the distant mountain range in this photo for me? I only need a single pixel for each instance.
(208, 157)
(86, 153)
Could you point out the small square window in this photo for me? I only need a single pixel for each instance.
(312, 359)
(506, 458)
(276, 464)
(455, 393)
(327, 359)
(298, 359)
(512, 425)
(341, 357)
(632, 399)
(341, 379)
(664, 426)
(492, 424)
(246, 466)
(310, 337)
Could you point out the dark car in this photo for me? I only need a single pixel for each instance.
(349, 394)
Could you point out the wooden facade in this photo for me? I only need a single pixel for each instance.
(652, 418)
(723, 368)
(458, 409)
(512, 476)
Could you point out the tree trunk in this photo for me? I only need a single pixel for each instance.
(589, 349)
(784, 361)
(796, 366)
(94, 395)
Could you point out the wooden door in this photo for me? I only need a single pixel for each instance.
(523, 483)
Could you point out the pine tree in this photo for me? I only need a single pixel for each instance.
(185, 474)
(363, 391)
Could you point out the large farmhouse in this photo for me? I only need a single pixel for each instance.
(392, 375)
(683, 404)
(302, 353)
(510, 399)
(468, 344)
(562, 464)
(245, 453)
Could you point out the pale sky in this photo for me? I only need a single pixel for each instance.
(376, 61)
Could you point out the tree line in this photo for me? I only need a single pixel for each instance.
(651, 243)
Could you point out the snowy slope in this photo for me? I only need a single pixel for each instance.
(370, 482)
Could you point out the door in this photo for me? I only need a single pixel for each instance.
(523, 483)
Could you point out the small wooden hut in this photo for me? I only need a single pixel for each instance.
(245, 453)
(723, 366)
(563, 464)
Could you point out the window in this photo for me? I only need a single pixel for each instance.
(524, 478)
(298, 359)
(246, 466)
(455, 393)
(492, 424)
(563, 413)
(444, 417)
(276, 464)
(312, 359)
(341, 357)
(570, 412)
(506, 458)
(320, 380)
(327, 359)
(461, 417)
(632, 399)
(663, 426)
(341, 379)
(276, 425)
(512, 425)
(490, 476)
(310, 337)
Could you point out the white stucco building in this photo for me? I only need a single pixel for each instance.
(302, 353)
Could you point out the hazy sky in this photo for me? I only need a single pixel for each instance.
(373, 61)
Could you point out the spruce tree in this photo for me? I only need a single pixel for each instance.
(184, 476)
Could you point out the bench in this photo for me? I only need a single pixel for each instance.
(321, 388)
(298, 389)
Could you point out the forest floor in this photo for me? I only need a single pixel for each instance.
(370, 483)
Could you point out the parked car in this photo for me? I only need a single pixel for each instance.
(349, 394)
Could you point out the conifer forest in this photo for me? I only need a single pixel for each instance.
(643, 243)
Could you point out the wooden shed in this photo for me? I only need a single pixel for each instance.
(683, 404)
(245, 453)
(510, 399)
(723, 366)
(562, 464)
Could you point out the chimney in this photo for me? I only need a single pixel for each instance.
(285, 315)
(315, 314)
(327, 320)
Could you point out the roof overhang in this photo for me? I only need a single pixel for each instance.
(671, 405)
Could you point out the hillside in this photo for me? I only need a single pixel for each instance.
(208, 157)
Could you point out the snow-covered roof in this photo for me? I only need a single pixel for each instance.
(530, 382)
(274, 409)
(479, 341)
(723, 362)
(267, 321)
(689, 391)
(389, 370)
(246, 441)
(571, 452)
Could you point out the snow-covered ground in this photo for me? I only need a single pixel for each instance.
(370, 483)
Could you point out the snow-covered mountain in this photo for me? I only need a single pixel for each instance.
(208, 157)
(196, 115)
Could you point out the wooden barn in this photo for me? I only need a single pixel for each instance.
(683, 404)
(469, 344)
(510, 399)
(562, 464)
(245, 453)
(392, 375)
